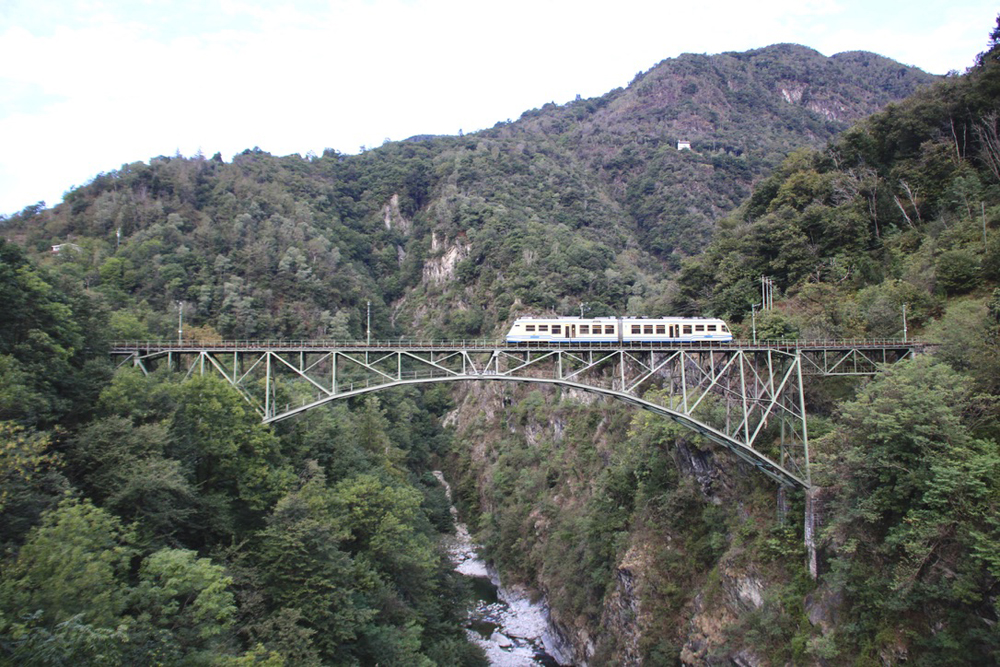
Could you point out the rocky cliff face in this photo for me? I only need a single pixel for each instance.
(683, 588)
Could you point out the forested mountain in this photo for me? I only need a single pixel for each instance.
(587, 202)
(655, 548)
(740, 112)
(145, 516)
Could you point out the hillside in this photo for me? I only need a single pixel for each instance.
(206, 537)
(739, 111)
(654, 548)
(582, 203)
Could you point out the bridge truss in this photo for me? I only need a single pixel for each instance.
(748, 398)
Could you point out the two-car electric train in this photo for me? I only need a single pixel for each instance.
(618, 330)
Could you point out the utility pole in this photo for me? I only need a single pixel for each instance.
(180, 322)
(904, 322)
(369, 322)
(766, 293)
(581, 309)
(753, 319)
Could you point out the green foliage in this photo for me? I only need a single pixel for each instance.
(969, 343)
(23, 456)
(958, 271)
(584, 205)
(916, 521)
(45, 344)
(774, 325)
(71, 642)
(896, 201)
(125, 325)
(189, 464)
(72, 565)
(185, 595)
(225, 450)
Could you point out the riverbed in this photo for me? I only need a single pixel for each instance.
(511, 629)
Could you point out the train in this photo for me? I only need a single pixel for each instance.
(618, 330)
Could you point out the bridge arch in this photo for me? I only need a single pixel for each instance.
(758, 383)
(752, 456)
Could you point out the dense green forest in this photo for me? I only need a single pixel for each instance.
(150, 520)
(629, 521)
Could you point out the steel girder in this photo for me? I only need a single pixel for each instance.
(749, 400)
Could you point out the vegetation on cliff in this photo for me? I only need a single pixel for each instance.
(144, 518)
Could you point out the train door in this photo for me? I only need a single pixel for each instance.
(673, 331)
(570, 331)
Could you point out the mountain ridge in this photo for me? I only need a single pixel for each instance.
(595, 187)
(650, 545)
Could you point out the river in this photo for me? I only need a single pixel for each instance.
(513, 630)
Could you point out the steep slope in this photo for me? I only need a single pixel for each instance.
(590, 202)
(588, 205)
(738, 111)
(657, 550)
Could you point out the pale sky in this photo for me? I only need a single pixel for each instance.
(89, 85)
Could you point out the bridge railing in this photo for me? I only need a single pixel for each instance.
(415, 343)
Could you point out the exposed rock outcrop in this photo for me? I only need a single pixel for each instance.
(441, 269)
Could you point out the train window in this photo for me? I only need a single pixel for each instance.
(647, 328)
(687, 328)
(636, 328)
(711, 327)
(543, 327)
(699, 327)
(556, 328)
(584, 328)
(661, 328)
(609, 328)
(529, 327)
(724, 328)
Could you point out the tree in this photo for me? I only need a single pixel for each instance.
(916, 529)
(371, 431)
(958, 271)
(23, 455)
(379, 522)
(73, 565)
(186, 597)
(226, 452)
(310, 580)
(124, 468)
(31, 481)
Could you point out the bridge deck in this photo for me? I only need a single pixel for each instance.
(152, 347)
(746, 396)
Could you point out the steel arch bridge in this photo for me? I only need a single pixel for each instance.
(747, 397)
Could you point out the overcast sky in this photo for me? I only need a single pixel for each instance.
(89, 85)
